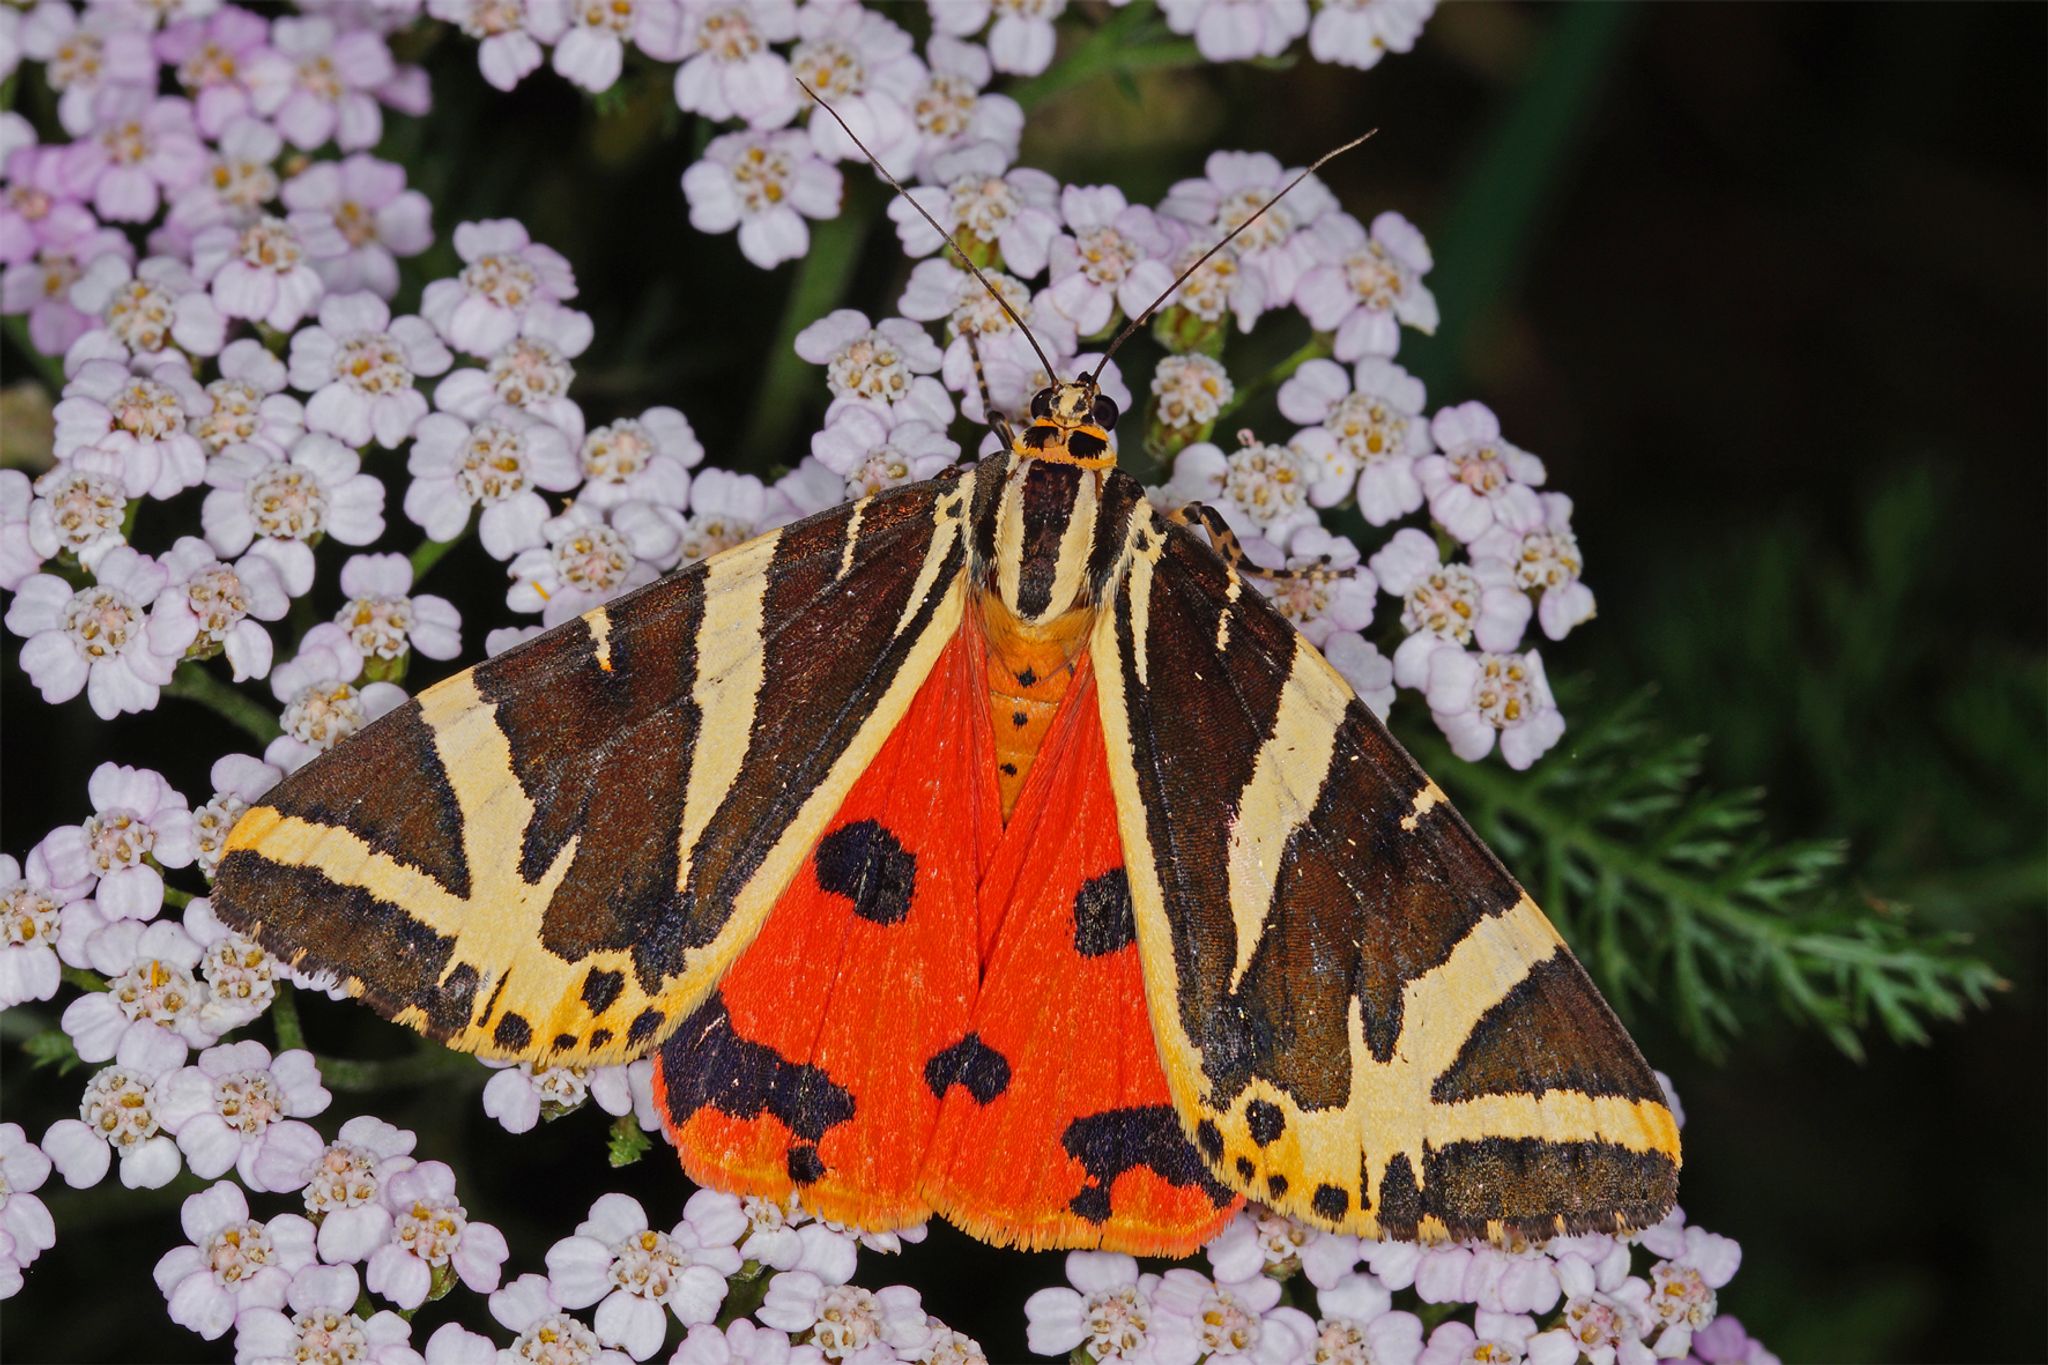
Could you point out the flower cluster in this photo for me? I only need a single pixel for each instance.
(207, 249)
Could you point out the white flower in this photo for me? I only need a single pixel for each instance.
(531, 372)
(1331, 592)
(887, 366)
(117, 1116)
(1225, 1321)
(241, 978)
(1014, 211)
(844, 1319)
(238, 780)
(1095, 262)
(143, 310)
(1238, 30)
(322, 704)
(1357, 33)
(140, 421)
(869, 455)
(430, 1229)
(641, 1275)
(1447, 604)
(95, 64)
(384, 618)
(236, 1103)
(43, 263)
(1494, 1338)
(132, 161)
(590, 36)
(1021, 40)
(152, 987)
(78, 509)
(546, 1331)
(239, 182)
(317, 82)
(1364, 286)
(505, 274)
(264, 271)
(321, 1325)
(1223, 283)
(948, 1347)
(588, 560)
(938, 290)
(864, 66)
(1259, 489)
(138, 819)
(248, 402)
(1107, 1313)
(1262, 1242)
(641, 459)
(742, 1343)
(217, 607)
(726, 509)
(1359, 1326)
(1476, 697)
(207, 53)
(25, 1223)
(273, 506)
(518, 1095)
(765, 184)
(1367, 433)
(499, 462)
(96, 639)
(233, 1263)
(1480, 481)
(1232, 190)
(344, 1183)
(1546, 561)
(18, 555)
(1189, 391)
(360, 366)
(31, 926)
(506, 50)
(729, 70)
(950, 108)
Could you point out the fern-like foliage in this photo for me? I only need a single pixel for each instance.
(1679, 902)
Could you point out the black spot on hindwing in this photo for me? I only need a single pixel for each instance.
(865, 863)
(706, 1063)
(1103, 921)
(1119, 1140)
(971, 1063)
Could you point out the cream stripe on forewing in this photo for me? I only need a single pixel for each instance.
(1010, 536)
(860, 511)
(1076, 540)
(599, 622)
(730, 667)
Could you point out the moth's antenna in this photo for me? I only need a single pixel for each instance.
(1139, 321)
(972, 269)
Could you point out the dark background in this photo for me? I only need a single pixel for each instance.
(1763, 285)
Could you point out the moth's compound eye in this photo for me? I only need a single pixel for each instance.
(1041, 403)
(1105, 412)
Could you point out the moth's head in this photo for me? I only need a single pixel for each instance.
(1070, 424)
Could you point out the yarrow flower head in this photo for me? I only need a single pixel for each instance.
(500, 461)
(640, 459)
(233, 1263)
(241, 1109)
(886, 366)
(96, 639)
(385, 619)
(639, 1276)
(273, 506)
(431, 1233)
(729, 70)
(505, 274)
(344, 1186)
(1108, 1313)
(323, 705)
(139, 824)
(218, 608)
(117, 1116)
(765, 184)
(318, 1322)
(361, 367)
(1364, 286)
(1365, 432)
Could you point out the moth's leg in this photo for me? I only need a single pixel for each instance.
(996, 420)
(1223, 540)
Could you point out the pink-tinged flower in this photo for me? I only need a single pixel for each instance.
(1267, 1243)
(143, 311)
(589, 559)
(1260, 489)
(140, 421)
(531, 373)
(506, 50)
(638, 1275)
(1359, 1324)
(765, 184)
(1223, 284)
(10, 44)
(864, 66)
(1724, 1342)
(210, 56)
(264, 271)
(18, 555)
(32, 924)
(742, 1343)
(344, 1183)
(1357, 33)
(546, 1330)
(233, 1264)
(37, 194)
(1095, 261)
(1232, 190)
(985, 206)
(1365, 286)
(1188, 393)
(322, 703)
(640, 459)
(319, 1322)
(1501, 1281)
(430, 1229)
(218, 608)
(272, 506)
(1491, 1339)
(1020, 42)
(361, 365)
(844, 1319)
(950, 108)
(241, 978)
(24, 1219)
(1229, 1321)
(590, 36)
(1447, 604)
(316, 83)
(1547, 562)
(78, 510)
(729, 70)
(39, 282)
(1332, 593)
(500, 463)
(1695, 1263)
(131, 164)
(152, 987)
(138, 820)
(239, 183)
(1475, 698)
(517, 1096)
(1238, 30)
(97, 64)
(1366, 431)
(96, 640)
(248, 404)
(1107, 1313)
(505, 273)
(726, 509)
(1480, 481)
(1370, 673)
(938, 290)
(384, 618)
(377, 216)
(452, 1344)
(886, 366)
(117, 1116)
(238, 1102)
(869, 455)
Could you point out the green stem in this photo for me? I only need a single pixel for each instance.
(822, 278)
(284, 1017)
(428, 1063)
(194, 683)
(1110, 50)
(49, 368)
(1318, 348)
(431, 552)
(177, 899)
(83, 979)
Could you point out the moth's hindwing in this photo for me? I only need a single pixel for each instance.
(1365, 1022)
(553, 856)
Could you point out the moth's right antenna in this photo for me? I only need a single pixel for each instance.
(1139, 321)
(972, 269)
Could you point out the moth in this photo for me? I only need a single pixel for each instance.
(988, 848)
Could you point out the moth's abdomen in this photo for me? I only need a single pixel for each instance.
(1030, 670)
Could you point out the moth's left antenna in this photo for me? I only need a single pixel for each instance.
(972, 269)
